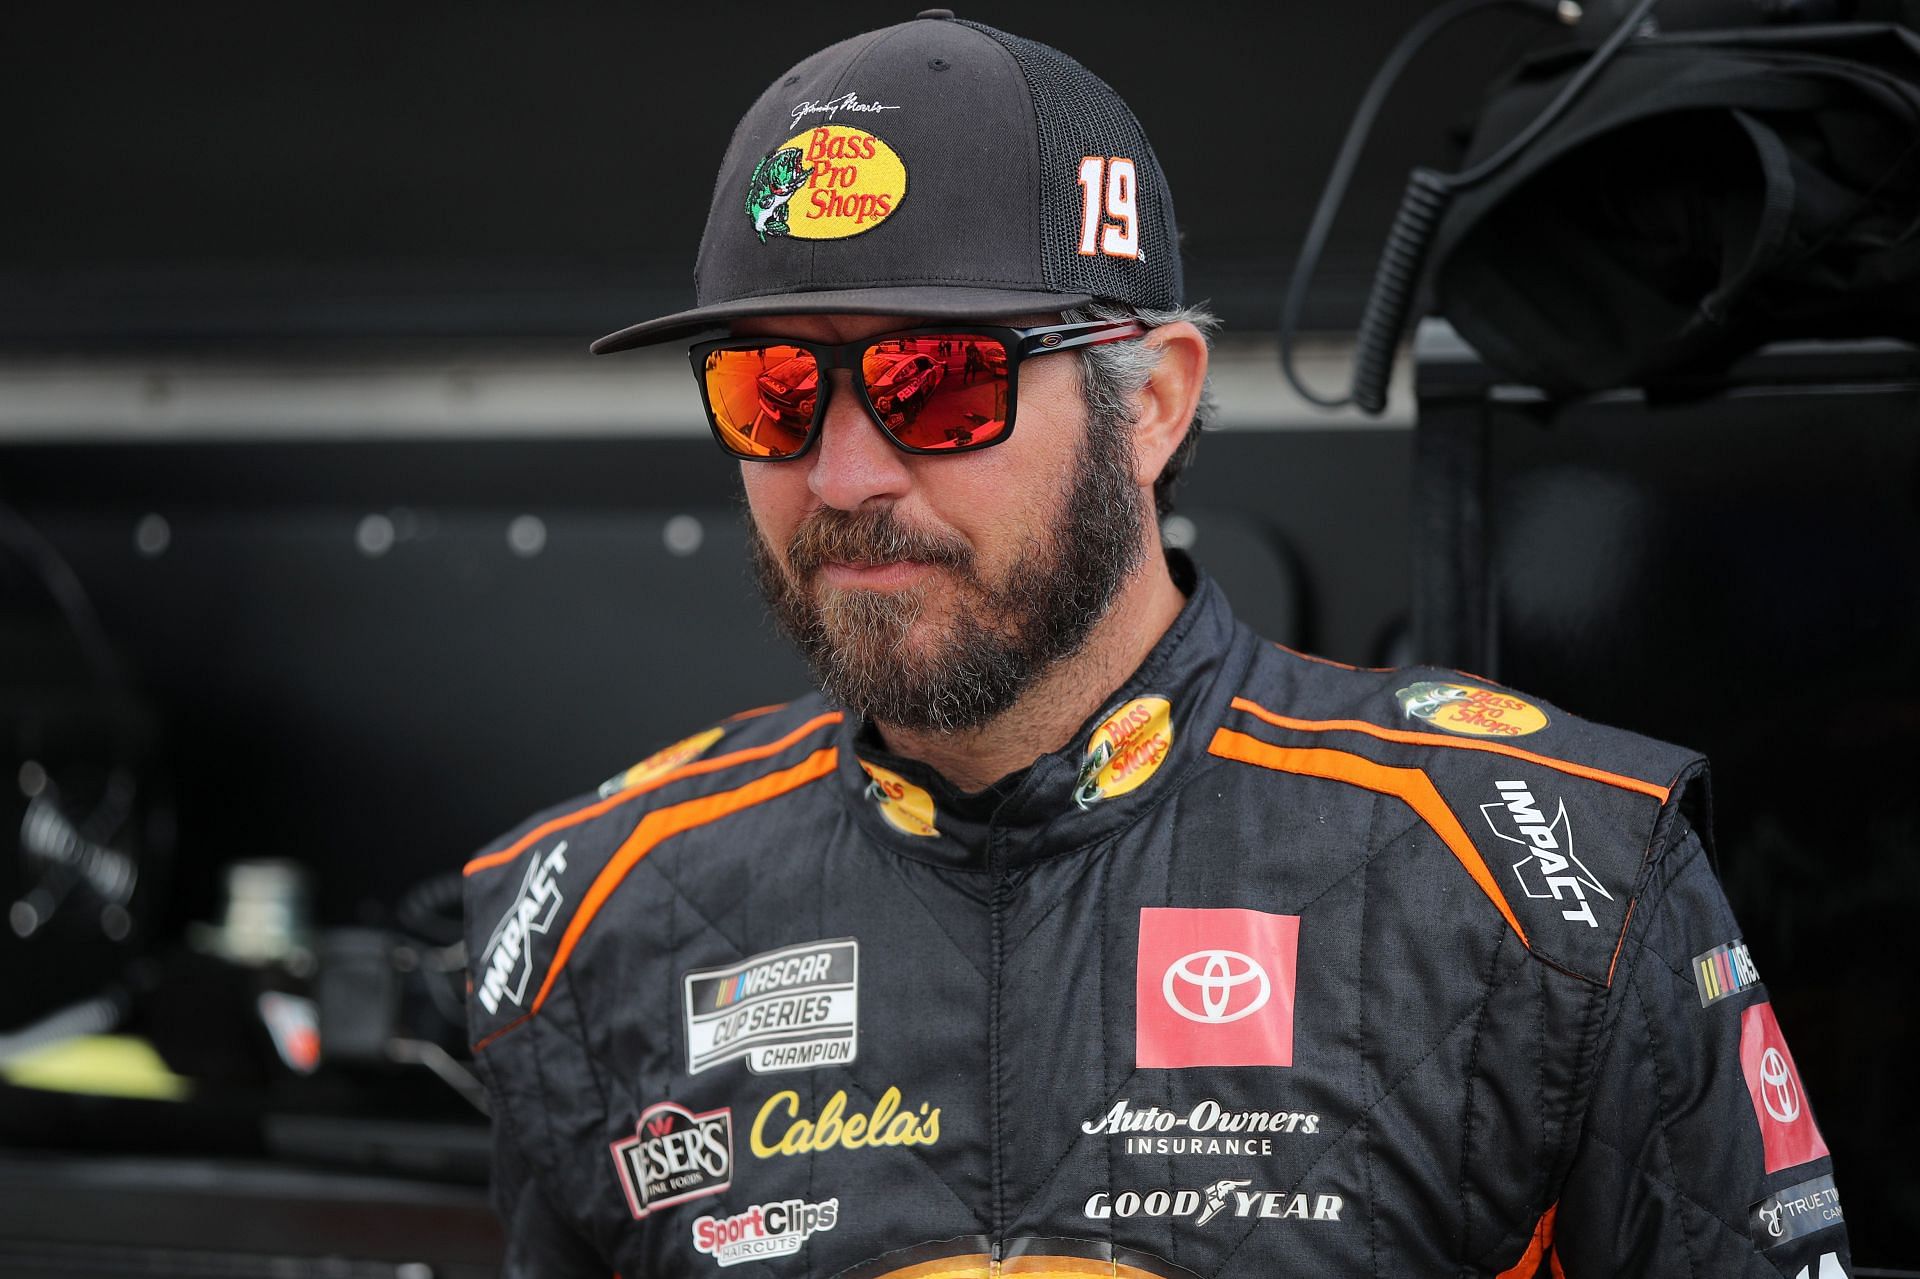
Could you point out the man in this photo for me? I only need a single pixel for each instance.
(1073, 929)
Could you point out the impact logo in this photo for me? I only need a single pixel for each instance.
(764, 1230)
(1550, 868)
(507, 961)
(907, 808)
(674, 1155)
(825, 184)
(1127, 749)
(1475, 712)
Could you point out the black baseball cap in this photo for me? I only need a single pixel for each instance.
(937, 168)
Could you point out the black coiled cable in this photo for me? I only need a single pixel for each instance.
(1403, 258)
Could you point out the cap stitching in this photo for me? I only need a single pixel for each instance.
(1038, 247)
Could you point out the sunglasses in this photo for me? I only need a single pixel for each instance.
(941, 389)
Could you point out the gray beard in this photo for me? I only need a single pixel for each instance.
(1002, 637)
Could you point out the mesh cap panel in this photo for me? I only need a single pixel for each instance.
(1078, 115)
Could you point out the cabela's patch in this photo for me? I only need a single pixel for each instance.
(1476, 712)
(825, 184)
(1127, 749)
(661, 762)
(906, 807)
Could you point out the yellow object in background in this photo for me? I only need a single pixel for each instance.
(98, 1065)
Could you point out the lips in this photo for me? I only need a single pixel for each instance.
(872, 574)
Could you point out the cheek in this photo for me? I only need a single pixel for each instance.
(775, 498)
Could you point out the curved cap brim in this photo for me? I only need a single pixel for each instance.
(926, 301)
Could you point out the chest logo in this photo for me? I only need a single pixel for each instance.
(788, 1009)
(825, 183)
(907, 808)
(1214, 988)
(887, 1124)
(674, 1155)
(764, 1230)
(1475, 712)
(1126, 750)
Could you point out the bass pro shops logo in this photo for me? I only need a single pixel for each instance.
(1128, 748)
(1550, 868)
(507, 961)
(827, 183)
(674, 1155)
(1475, 712)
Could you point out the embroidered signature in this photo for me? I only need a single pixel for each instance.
(847, 102)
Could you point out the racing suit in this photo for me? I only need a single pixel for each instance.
(1278, 968)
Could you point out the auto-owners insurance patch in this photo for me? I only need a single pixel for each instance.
(788, 1009)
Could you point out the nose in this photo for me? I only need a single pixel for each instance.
(853, 463)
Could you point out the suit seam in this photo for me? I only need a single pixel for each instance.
(1660, 1110)
(1478, 1010)
(1466, 1102)
(934, 918)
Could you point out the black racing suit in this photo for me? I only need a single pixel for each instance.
(1279, 968)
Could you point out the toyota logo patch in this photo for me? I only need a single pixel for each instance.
(1788, 1135)
(1214, 988)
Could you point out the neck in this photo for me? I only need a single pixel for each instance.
(1048, 715)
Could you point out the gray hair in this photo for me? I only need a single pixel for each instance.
(1112, 374)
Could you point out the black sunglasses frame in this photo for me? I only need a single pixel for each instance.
(1019, 344)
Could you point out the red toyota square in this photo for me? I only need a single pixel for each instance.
(1214, 988)
(1787, 1130)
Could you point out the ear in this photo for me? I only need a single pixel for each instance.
(1167, 402)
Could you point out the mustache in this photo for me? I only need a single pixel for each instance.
(866, 538)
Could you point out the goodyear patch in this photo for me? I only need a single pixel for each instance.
(1127, 749)
(825, 183)
(1474, 712)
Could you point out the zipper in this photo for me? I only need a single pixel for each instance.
(996, 908)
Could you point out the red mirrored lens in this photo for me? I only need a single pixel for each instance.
(939, 391)
(762, 398)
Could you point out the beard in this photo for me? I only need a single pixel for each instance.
(999, 636)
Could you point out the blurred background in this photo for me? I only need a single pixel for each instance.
(327, 553)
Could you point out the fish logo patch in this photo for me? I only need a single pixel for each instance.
(826, 183)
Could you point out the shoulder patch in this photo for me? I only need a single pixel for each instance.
(1475, 712)
(1561, 829)
(662, 761)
